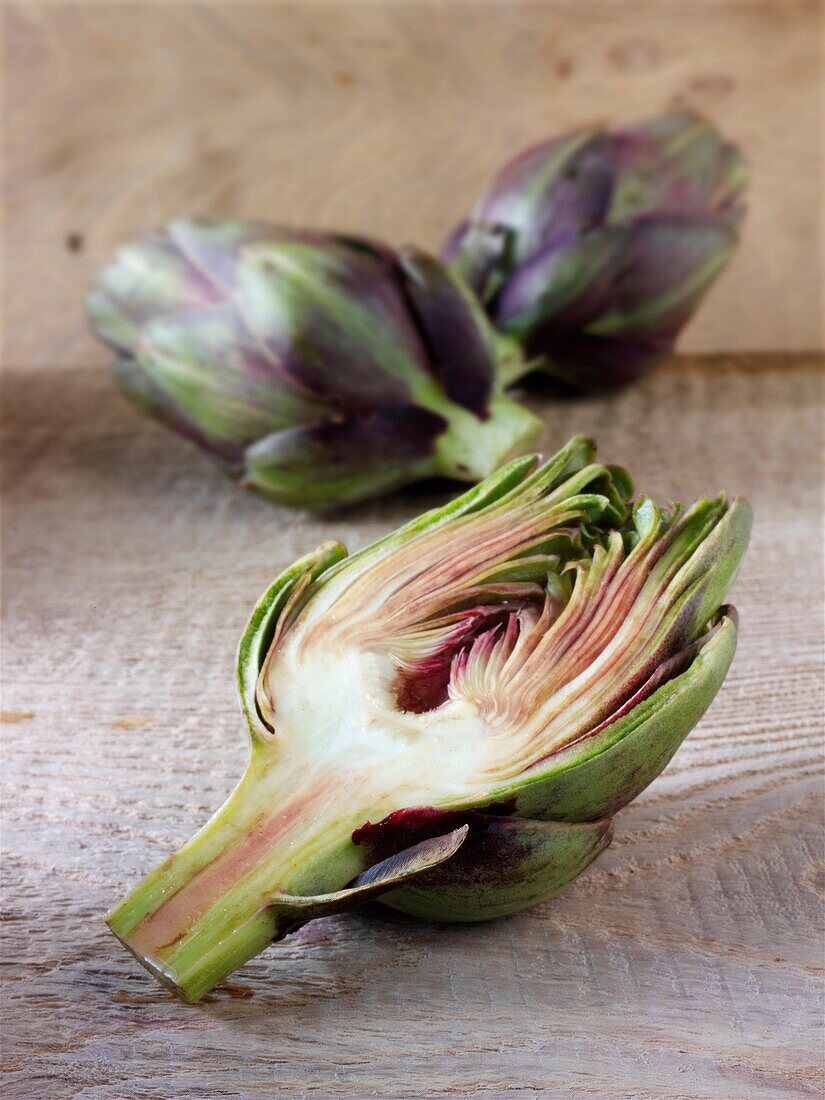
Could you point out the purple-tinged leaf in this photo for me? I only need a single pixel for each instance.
(676, 164)
(150, 278)
(564, 286)
(392, 872)
(669, 264)
(455, 330)
(505, 864)
(350, 457)
(336, 323)
(559, 187)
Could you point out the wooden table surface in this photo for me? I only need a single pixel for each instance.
(685, 963)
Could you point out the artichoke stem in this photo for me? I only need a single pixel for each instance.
(202, 974)
(471, 449)
(209, 908)
(513, 364)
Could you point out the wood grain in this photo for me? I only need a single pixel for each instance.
(387, 118)
(685, 964)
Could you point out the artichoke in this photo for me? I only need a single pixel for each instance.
(593, 250)
(317, 369)
(448, 719)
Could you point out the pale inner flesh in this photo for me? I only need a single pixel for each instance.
(337, 707)
(536, 672)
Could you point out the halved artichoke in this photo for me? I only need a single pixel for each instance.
(448, 718)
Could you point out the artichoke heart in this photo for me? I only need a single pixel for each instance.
(448, 719)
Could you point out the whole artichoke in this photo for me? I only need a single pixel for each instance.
(449, 717)
(594, 249)
(317, 369)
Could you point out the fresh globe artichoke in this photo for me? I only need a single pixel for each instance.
(595, 249)
(318, 369)
(449, 717)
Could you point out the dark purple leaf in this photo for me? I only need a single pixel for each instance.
(598, 362)
(668, 266)
(455, 330)
(565, 286)
(339, 327)
(550, 191)
(675, 164)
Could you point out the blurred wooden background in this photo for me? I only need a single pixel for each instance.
(386, 118)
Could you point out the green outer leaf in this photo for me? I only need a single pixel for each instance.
(293, 469)
(504, 868)
(712, 568)
(261, 625)
(600, 775)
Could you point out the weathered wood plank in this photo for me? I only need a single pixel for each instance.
(685, 963)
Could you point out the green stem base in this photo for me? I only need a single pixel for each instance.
(471, 449)
(212, 906)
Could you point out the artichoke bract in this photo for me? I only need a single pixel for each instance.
(317, 369)
(448, 719)
(594, 249)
